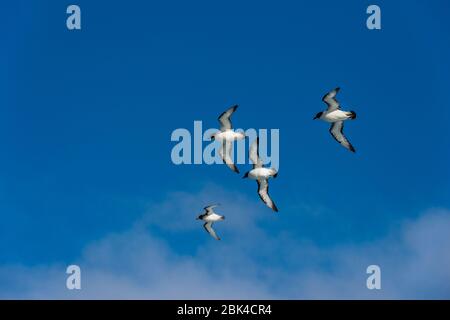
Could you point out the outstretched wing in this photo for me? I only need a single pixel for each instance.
(336, 131)
(331, 101)
(263, 191)
(254, 154)
(225, 119)
(210, 230)
(225, 154)
(209, 209)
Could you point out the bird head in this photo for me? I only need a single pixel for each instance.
(318, 115)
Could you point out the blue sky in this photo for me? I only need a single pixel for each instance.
(86, 118)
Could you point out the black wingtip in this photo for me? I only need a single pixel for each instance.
(235, 107)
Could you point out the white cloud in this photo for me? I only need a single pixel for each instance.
(248, 263)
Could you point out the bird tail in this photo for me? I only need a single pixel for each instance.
(352, 115)
(275, 172)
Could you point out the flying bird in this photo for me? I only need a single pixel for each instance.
(227, 135)
(336, 117)
(209, 216)
(261, 175)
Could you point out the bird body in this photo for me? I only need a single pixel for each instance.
(229, 135)
(212, 218)
(336, 115)
(261, 173)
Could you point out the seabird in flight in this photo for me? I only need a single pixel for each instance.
(261, 175)
(336, 117)
(227, 135)
(209, 216)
